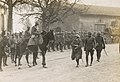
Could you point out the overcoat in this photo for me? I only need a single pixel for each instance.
(76, 49)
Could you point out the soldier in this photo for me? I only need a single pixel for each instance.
(67, 41)
(89, 48)
(61, 41)
(6, 49)
(33, 45)
(56, 41)
(100, 44)
(18, 42)
(27, 36)
(3, 43)
(76, 49)
(51, 43)
(12, 47)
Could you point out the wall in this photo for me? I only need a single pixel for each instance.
(84, 23)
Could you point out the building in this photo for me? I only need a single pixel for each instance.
(96, 18)
(3, 18)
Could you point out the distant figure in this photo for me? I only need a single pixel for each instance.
(89, 48)
(76, 49)
(100, 44)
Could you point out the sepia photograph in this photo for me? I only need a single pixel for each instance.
(59, 40)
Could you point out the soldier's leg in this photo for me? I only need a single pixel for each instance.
(91, 53)
(61, 47)
(33, 58)
(12, 54)
(77, 60)
(5, 60)
(99, 54)
(65, 45)
(87, 54)
(53, 46)
(57, 46)
(36, 56)
(97, 51)
(43, 58)
(27, 56)
(68, 44)
(1, 63)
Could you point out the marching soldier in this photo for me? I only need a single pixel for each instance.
(76, 49)
(27, 36)
(12, 47)
(67, 41)
(89, 48)
(100, 44)
(51, 44)
(61, 41)
(3, 43)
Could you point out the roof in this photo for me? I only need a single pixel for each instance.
(98, 10)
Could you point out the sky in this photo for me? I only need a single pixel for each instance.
(110, 3)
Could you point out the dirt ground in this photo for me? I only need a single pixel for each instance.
(62, 69)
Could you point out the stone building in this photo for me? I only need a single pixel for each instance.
(96, 18)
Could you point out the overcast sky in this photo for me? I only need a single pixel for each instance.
(112, 3)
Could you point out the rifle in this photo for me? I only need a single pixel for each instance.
(105, 52)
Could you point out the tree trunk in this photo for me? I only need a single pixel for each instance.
(44, 26)
(10, 20)
(2, 22)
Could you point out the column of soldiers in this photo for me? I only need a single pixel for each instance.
(63, 41)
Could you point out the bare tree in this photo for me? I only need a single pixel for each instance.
(48, 11)
(10, 4)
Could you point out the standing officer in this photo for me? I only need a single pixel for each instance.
(76, 49)
(89, 48)
(100, 44)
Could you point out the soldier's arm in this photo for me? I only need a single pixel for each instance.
(85, 44)
(94, 43)
(103, 42)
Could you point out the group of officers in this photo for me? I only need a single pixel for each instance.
(90, 42)
(62, 41)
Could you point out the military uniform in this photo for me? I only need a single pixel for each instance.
(60, 41)
(12, 47)
(67, 41)
(89, 47)
(76, 49)
(3, 43)
(33, 43)
(100, 44)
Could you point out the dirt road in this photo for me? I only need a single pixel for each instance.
(62, 69)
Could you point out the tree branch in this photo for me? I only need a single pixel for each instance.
(4, 2)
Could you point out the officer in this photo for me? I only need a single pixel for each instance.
(100, 44)
(89, 48)
(35, 34)
(76, 49)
